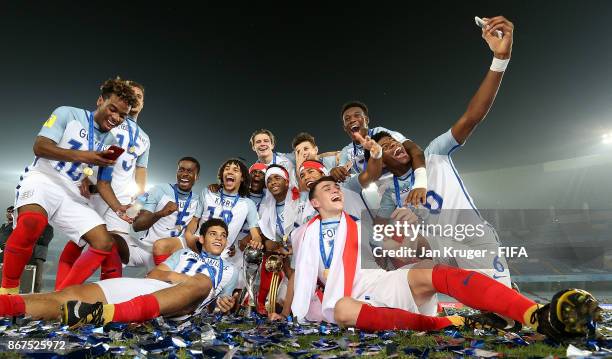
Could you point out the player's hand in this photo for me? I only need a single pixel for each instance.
(275, 316)
(231, 251)
(96, 158)
(285, 251)
(254, 243)
(369, 144)
(416, 196)
(214, 187)
(84, 188)
(225, 304)
(121, 213)
(168, 209)
(404, 215)
(341, 173)
(502, 48)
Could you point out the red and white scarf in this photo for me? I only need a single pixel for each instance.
(342, 271)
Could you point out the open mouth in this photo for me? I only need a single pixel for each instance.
(184, 181)
(309, 183)
(111, 122)
(263, 148)
(216, 244)
(229, 179)
(336, 198)
(355, 128)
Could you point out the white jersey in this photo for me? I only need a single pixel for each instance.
(287, 160)
(129, 134)
(190, 263)
(69, 127)
(445, 189)
(233, 210)
(169, 226)
(449, 206)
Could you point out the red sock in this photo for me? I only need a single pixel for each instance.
(84, 267)
(480, 292)
(11, 305)
(19, 246)
(111, 266)
(374, 318)
(265, 280)
(160, 258)
(138, 309)
(69, 255)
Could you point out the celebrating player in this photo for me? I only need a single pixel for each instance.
(130, 170)
(184, 284)
(263, 143)
(230, 204)
(355, 120)
(447, 199)
(69, 144)
(375, 299)
(167, 210)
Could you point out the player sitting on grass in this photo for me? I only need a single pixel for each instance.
(405, 298)
(184, 284)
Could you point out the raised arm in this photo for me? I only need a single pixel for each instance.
(483, 99)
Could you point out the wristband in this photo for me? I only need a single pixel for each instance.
(499, 65)
(420, 178)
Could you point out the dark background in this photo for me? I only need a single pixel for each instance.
(214, 74)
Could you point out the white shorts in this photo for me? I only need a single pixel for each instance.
(67, 214)
(119, 290)
(391, 289)
(139, 256)
(113, 222)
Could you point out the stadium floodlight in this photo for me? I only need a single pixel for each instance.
(606, 138)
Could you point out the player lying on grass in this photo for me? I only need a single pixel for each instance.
(405, 298)
(183, 284)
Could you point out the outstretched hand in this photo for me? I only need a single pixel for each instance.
(502, 48)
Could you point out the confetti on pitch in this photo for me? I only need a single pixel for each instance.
(255, 337)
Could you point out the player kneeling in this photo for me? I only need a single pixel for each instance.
(184, 284)
(374, 299)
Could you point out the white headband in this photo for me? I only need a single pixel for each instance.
(276, 171)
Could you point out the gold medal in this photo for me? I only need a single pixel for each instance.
(132, 149)
(325, 273)
(179, 228)
(88, 171)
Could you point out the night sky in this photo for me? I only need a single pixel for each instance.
(213, 75)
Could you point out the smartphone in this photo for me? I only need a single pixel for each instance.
(480, 23)
(117, 151)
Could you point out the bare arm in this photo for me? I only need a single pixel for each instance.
(146, 219)
(47, 148)
(416, 154)
(482, 101)
(140, 176)
(108, 195)
(165, 274)
(373, 170)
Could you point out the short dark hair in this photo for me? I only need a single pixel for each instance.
(243, 191)
(133, 83)
(121, 89)
(313, 187)
(10, 208)
(303, 137)
(262, 131)
(350, 104)
(191, 159)
(377, 137)
(210, 223)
